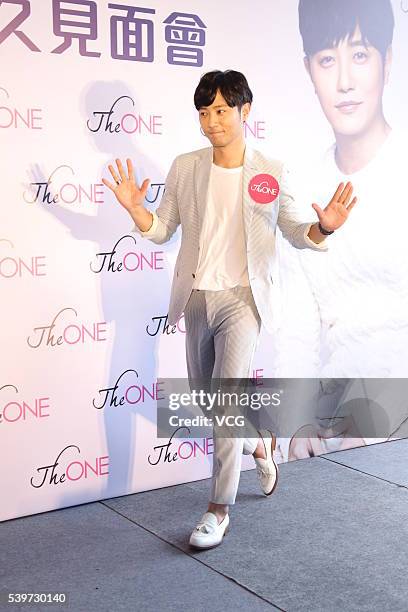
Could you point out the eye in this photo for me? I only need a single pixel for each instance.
(221, 110)
(360, 57)
(326, 61)
(203, 113)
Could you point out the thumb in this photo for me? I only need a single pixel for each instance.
(145, 186)
(318, 210)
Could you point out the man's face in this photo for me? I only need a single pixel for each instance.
(349, 81)
(222, 124)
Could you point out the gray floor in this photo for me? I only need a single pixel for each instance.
(333, 537)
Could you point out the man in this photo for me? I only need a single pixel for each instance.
(359, 287)
(228, 200)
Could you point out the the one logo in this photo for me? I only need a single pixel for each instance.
(17, 409)
(61, 191)
(160, 325)
(263, 188)
(58, 332)
(130, 123)
(128, 260)
(82, 469)
(11, 267)
(11, 117)
(123, 391)
(186, 450)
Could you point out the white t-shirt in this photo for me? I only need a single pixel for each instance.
(223, 262)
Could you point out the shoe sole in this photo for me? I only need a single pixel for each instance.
(273, 446)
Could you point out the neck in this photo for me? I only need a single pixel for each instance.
(354, 152)
(230, 156)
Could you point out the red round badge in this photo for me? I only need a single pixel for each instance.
(263, 188)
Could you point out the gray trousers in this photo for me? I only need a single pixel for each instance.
(222, 331)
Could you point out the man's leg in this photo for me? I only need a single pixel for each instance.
(233, 316)
(222, 333)
(200, 353)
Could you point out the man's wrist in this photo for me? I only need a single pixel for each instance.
(315, 235)
(324, 231)
(143, 219)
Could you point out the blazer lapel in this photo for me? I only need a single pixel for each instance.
(247, 202)
(202, 181)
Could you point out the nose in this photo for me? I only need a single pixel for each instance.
(345, 81)
(212, 120)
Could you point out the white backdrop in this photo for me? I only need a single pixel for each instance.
(73, 321)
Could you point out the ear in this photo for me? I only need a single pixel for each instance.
(245, 111)
(306, 64)
(387, 64)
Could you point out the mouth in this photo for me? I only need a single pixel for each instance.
(349, 106)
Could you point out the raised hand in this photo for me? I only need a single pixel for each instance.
(338, 209)
(125, 188)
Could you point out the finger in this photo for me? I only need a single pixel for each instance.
(145, 187)
(337, 192)
(113, 173)
(130, 170)
(108, 184)
(346, 195)
(352, 204)
(121, 170)
(318, 210)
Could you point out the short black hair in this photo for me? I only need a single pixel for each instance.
(232, 85)
(324, 23)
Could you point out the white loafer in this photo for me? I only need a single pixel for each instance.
(208, 532)
(266, 468)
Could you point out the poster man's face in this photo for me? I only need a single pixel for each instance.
(222, 124)
(349, 81)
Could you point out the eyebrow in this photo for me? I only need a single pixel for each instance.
(218, 106)
(352, 43)
(357, 43)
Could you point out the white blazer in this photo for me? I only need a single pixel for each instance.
(184, 203)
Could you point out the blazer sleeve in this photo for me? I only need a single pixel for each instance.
(289, 221)
(166, 219)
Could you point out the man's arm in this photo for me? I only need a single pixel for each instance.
(143, 220)
(332, 217)
(300, 235)
(159, 226)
